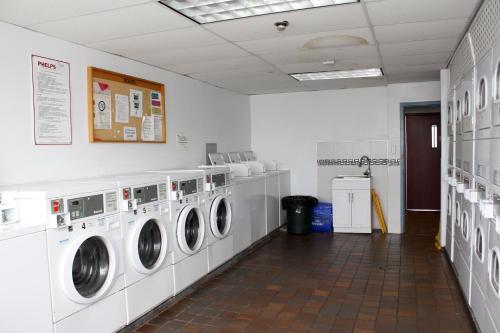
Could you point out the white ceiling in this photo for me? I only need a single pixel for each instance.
(410, 39)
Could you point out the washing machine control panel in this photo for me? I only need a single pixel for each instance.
(146, 194)
(85, 206)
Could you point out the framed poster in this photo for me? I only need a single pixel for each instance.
(51, 101)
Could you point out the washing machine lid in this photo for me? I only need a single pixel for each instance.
(220, 216)
(190, 229)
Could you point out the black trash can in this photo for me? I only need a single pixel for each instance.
(299, 213)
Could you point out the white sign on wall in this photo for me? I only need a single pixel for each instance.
(51, 101)
(181, 141)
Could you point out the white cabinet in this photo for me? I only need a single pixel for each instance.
(351, 205)
(242, 226)
(272, 201)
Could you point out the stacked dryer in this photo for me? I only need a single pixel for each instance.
(489, 166)
(465, 181)
(451, 180)
(476, 235)
(85, 255)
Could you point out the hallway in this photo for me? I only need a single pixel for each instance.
(324, 283)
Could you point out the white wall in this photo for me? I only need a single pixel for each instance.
(202, 112)
(287, 127)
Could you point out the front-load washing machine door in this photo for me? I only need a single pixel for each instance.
(220, 217)
(90, 268)
(190, 229)
(148, 245)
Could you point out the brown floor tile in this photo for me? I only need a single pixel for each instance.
(329, 283)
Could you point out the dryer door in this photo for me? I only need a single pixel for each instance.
(220, 217)
(190, 229)
(148, 244)
(90, 268)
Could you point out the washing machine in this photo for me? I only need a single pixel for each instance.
(25, 303)
(219, 216)
(479, 280)
(495, 72)
(187, 199)
(145, 224)
(483, 97)
(458, 112)
(85, 254)
(466, 95)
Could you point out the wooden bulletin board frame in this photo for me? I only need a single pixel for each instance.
(122, 84)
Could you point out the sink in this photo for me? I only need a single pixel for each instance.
(359, 182)
(352, 176)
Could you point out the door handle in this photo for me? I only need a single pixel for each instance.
(434, 136)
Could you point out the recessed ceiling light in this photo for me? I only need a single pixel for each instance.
(325, 42)
(207, 11)
(355, 73)
(329, 62)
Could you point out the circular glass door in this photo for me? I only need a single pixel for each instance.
(190, 229)
(465, 225)
(149, 244)
(220, 217)
(90, 267)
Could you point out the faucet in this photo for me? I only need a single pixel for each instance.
(368, 171)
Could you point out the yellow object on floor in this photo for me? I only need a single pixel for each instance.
(437, 242)
(380, 214)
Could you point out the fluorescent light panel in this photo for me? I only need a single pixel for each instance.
(207, 11)
(333, 75)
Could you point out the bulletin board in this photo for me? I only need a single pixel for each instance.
(123, 108)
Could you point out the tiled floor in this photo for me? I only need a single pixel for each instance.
(329, 283)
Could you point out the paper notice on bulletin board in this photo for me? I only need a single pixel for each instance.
(51, 101)
(102, 106)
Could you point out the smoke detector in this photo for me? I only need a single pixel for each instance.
(281, 25)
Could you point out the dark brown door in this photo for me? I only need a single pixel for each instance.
(423, 154)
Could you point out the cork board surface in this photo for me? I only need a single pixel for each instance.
(123, 108)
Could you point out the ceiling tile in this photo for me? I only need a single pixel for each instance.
(422, 59)
(277, 82)
(420, 31)
(413, 77)
(264, 72)
(29, 12)
(399, 69)
(403, 11)
(262, 91)
(346, 83)
(329, 18)
(365, 51)
(296, 42)
(192, 55)
(170, 40)
(123, 22)
(418, 47)
(339, 65)
(217, 65)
